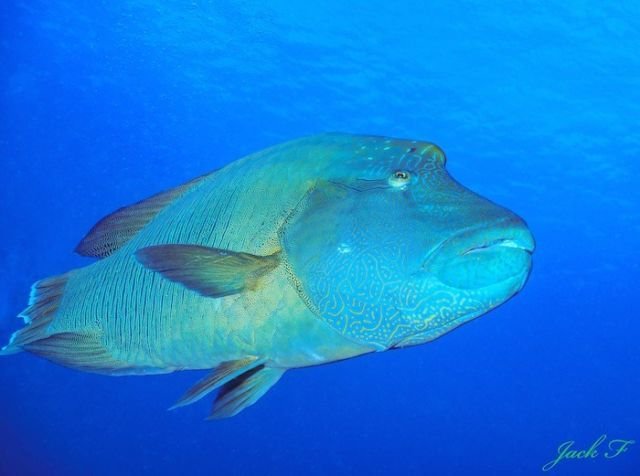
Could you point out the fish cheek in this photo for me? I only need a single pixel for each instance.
(345, 266)
(311, 240)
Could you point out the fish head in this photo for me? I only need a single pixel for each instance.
(391, 251)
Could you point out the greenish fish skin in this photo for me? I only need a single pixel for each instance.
(368, 244)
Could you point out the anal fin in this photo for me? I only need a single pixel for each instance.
(219, 376)
(244, 391)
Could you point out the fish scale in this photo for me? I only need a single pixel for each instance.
(308, 252)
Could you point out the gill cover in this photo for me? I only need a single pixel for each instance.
(345, 245)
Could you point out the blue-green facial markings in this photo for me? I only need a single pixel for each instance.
(391, 251)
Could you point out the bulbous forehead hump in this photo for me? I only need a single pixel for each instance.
(404, 154)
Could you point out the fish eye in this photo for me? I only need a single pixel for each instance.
(399, 178)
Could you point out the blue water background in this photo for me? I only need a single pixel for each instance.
(538, 107)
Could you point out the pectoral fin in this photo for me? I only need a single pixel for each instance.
(210, 271)
(244, 391)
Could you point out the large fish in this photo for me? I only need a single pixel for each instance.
(313, 251)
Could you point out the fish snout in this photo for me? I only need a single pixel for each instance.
(484, 255)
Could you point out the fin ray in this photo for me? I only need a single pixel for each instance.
(210, 271)
(83, 350)
(44, 301)
(244, 391)
(219, 376)
(116, 229)
(78, 350)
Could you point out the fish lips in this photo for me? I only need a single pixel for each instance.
(483, 256)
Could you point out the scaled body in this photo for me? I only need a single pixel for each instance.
(309, 252)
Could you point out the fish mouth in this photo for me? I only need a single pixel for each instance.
(508, 232)
(519, 244)
(482, 256)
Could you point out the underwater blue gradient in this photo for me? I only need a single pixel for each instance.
(538, 107)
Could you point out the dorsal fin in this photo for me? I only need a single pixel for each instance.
(116, 229)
